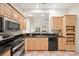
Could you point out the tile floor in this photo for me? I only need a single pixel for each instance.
(51, 53)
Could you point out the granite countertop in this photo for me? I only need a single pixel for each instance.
(40, 35)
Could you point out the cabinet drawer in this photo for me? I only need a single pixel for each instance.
(70, 47)
(70, 43)
(70, 35)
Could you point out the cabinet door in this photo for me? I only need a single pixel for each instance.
(61, 43)
(13, 13)
(22, 23)
(70, 47)
(44, 45)
(30, 44)
(64, 27)
(70, 20)
(38, 44)
(6, 10)
(2, 6)
(57, 23)
(41, 44)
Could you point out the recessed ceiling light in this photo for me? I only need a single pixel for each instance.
(36, 11)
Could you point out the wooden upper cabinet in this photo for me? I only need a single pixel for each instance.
(22, 23)
(57, 23)
(70, 20)
(17, 16)
(10, 12)
(6, 10)
(14, 14)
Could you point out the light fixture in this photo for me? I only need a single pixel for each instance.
(36, 11)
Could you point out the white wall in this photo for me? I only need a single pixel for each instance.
(27, 25)
(75, 11)
(56, 12)
(36, 21)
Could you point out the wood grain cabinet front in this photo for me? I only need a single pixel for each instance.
(41, 44)
(61, 43)
(70, 20)
(37, 44)
(44, 45)
(30, 44)
(6, 10)
(57, 23)
(11, 12)
(70, 47)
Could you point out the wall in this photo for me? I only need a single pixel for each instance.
(27, 25)
(75, 11)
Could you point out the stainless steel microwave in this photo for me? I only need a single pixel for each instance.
(7, 24)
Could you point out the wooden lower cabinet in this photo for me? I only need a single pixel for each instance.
(6, 52)
(70, 47)
(41, 44)
(37, 44)
(30, 44)
(61, 43)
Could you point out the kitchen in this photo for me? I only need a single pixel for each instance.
(39, 29)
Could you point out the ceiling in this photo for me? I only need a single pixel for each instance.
(34, 8)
